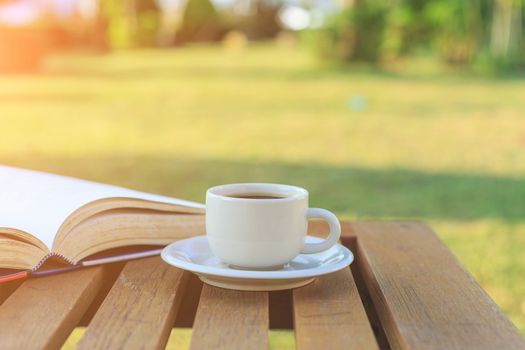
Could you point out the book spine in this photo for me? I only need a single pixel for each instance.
(52, 255)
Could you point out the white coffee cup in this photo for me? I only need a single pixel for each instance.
(262, 233)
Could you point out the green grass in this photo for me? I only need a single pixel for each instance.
(445, 148)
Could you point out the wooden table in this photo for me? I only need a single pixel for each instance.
(405, 290)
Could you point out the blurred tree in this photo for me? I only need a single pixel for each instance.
(131, 22)
(261, 22)
(200, 22)
(354, 34)
(458, 29)
(469, 29)
(407, 28)
(95, 36)
(507, 45)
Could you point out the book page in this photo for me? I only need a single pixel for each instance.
(38, 203)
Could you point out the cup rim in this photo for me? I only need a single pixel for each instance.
(291, 193)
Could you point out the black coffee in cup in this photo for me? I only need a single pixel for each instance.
(256, 196)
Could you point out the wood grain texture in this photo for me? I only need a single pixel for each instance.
(328, 314)
(422, 294)
(140, 309)
(228, 319)
(43, 311)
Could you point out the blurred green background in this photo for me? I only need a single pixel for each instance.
(427, 123)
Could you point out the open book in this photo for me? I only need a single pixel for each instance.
(72, 222)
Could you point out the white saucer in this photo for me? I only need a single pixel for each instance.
(194, 254)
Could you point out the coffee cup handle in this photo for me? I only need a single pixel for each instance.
(333, 235)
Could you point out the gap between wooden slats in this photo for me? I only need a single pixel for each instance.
(190, 300)
(281, 310)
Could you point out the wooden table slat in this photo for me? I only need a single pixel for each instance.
(422, 294)
(229, 319)
(415, 292)
(328, 314)
(140, 309)
(43, 311)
